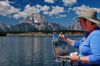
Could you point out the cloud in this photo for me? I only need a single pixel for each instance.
(38, 6)
(56, 10)
(81, 11)
(32, 9)
(6, 8)
(69, 2)
(45, 8)
(49, 1)
(60, 16)
(27, 11)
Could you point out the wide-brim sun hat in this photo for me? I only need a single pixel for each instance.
(89, 14)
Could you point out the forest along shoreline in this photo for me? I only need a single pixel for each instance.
(75, 33)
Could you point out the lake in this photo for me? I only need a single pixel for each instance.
(28, 51)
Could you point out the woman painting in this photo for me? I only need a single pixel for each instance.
(89, 46)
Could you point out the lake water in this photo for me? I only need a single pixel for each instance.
(28, 51)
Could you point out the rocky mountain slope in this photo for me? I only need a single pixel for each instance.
(4, 27)
(38, 23)
(74, 26)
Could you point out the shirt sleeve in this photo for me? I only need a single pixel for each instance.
(95, 48)
(76, 44)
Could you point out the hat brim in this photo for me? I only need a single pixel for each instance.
(97, 21)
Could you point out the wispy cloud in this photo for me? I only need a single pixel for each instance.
(27, 11)
(45, 8)
(49, 1)
(69, 2)
(38, 6)
(6, 8)
(61, 16)
(56, 10)
(31, 9)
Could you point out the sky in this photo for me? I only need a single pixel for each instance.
(60, 11)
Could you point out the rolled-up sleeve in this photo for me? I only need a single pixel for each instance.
(95, 48)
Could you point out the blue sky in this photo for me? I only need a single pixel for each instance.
(60, 11)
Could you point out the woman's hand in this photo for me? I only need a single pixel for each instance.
(62, 36)
(74, 57)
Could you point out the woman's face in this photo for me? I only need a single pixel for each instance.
(87, 25)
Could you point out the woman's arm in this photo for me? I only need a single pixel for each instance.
(95, 49)
(69, 41)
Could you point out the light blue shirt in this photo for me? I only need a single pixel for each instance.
(90, 47)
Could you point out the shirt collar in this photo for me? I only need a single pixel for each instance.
(86, 34)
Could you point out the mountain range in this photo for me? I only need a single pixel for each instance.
(75, 26)
(4, 27)
(37, 22)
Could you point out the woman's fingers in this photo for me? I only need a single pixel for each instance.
(62, 37)
(74, 57)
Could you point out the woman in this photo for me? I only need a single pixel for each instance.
(89, 46)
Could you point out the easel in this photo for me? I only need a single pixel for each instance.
(60, 58)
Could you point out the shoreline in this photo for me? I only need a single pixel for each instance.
(38, 35)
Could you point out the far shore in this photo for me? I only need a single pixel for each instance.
(68, 33)
(40, 35)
